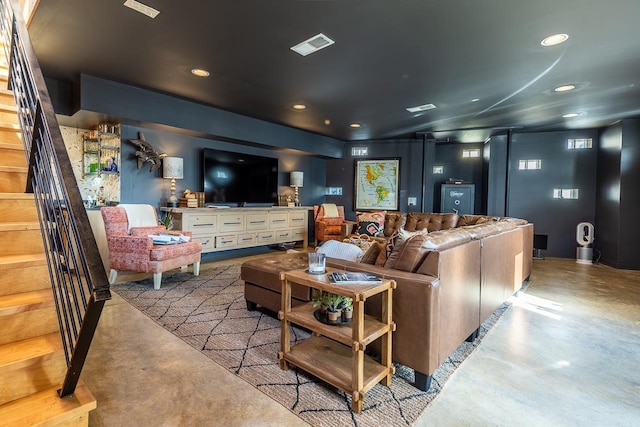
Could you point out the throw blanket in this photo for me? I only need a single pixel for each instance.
(140, 215)
(330, 210)
(340, 250)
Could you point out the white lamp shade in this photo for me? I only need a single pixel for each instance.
(172, 167)
(295, 179)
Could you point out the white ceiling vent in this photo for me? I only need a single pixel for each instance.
(142, 8)
(423, 107)
(312, 45)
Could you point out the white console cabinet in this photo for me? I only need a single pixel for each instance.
(220, 229)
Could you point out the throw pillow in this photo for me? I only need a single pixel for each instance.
(371, 223)
(340, 250)
(371, 255)
(387, 249)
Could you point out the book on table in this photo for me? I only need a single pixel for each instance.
(354, 278)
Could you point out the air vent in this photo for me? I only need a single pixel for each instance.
(423, 107)
(312, 45)
(142, 8)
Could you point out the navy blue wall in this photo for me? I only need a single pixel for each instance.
(142, 186)
(531, 191)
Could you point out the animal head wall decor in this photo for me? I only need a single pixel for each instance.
(146, 153)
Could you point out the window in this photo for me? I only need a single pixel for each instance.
(529, 164)
(578, 144)
(565, 193)
(359, 151)
(471, 153)
(438, 169)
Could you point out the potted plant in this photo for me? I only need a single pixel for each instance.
(334, 304)
(347, 309)
(168, 220)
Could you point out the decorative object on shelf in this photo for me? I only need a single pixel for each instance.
(295, 180)
(332, 307)
(146, 153)
(113, 167)
(172, 169)
(377, 184)
(190, 199)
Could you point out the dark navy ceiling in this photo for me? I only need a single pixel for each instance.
(387, 56)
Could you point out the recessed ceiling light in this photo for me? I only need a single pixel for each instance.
(200, 72)
(554, 40)
(299, 107)
(142, 8)
(570, 115)
(423, 107)
(327, 122)
(564, 88)
(475, 100)
(355, 125)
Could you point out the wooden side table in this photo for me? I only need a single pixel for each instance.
(335, 353)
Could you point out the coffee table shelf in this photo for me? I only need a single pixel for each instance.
(303, 315)
(335, 361)
(335, 353)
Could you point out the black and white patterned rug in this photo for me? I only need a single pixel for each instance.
(209, 313)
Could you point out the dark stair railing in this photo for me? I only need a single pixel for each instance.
(78, 279)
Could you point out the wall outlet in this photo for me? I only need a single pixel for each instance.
(412, 201)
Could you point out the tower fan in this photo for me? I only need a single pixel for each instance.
(584, 237)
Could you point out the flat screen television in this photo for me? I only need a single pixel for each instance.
(236, 179)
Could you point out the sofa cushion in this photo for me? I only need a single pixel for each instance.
(479, 231)
(394, 221)
(431, 221)
(395, 241)
(409, 255)
(370, 223)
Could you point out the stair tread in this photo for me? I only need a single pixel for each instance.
(25, 301)
(8, 262)
(47, 405)
(16, 196)
(31, 348)
(19, 226)
(11, 146)
(13, 169)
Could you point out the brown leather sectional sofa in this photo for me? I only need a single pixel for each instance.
(449, 281)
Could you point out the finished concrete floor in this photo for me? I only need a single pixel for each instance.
(565, 354)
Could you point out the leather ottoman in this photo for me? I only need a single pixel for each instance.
(262, 285)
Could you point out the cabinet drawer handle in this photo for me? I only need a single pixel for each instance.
(203, 225)
(278, 220)
(296, 219)
(232, 223)
(257, 222)
(267, 237)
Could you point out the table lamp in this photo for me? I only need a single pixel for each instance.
(172, 168)
(295, 181)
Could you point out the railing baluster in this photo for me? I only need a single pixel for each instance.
(78, 279)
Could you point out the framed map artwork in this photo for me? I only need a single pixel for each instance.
(377, 184)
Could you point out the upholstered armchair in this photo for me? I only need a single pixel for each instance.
(329, 222)
(128, 228)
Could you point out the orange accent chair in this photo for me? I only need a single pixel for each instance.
(330, 227)
(128, 228)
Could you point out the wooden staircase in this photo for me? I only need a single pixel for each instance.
(32, 361)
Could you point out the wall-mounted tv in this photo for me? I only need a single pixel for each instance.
(236, 179)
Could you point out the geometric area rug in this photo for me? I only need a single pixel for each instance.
(209, 313)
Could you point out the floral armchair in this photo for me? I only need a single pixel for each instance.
(329, 222)
(128, 228)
